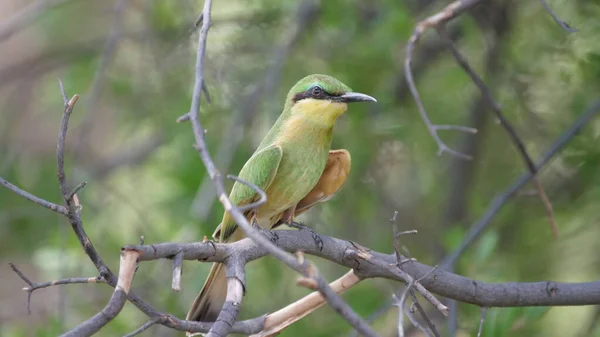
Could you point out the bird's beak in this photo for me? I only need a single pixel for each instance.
(350, 97)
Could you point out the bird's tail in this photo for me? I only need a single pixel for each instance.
(208, 304)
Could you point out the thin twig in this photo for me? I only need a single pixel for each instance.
(33, 286)
(423, 314)
(449, 12)
(394, 222)
(518, 143)
(76, 189)
(141, 329)
(414, 321)
(402, 302)
(481, 320)
(564, 25)
(254, 205)
(51, 206)
(177, 262)
(368, 256)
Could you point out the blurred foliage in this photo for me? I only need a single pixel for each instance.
(143, 175)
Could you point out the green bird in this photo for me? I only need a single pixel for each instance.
(293, 165)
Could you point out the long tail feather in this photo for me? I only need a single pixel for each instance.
(208, 304)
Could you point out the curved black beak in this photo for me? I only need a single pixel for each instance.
(350, 97)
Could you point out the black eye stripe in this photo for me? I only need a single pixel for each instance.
(315, 92)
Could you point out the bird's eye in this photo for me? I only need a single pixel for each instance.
(316, 91)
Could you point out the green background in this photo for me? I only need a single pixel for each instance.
(133, 66)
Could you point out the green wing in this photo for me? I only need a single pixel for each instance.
(260, 170)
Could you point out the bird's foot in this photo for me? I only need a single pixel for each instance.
(269, 234)
(316, 237)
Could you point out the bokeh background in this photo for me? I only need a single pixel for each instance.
(132, 62)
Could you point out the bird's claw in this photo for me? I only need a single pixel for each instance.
(269, 234)
(316, 237)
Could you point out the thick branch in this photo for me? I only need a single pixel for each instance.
(345, 253)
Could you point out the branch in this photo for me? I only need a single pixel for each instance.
(442, 283)
(560, 22)
(481, 320)
(141, 329)
(116, 302)
(47, 204)
(33, 286)
(482, 223)
(518, 143)
(282, 318)
(445, 15)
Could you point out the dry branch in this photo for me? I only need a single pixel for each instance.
(518, 143)
(449, 12)
(446, 284)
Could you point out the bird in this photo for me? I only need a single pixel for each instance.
(294, 165)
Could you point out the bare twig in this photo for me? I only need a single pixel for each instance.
(394, 222)
(400, 273)
(254, 205)
(177, 262)
(33, 286)
(53, 207)
(402, 303)
(141, 329)
(116, 302)
(481, 320)
(445, 15)
(481, 224)
(518, 143)
(76, 189)
(414, 321)
(423, 314)
(558, 20)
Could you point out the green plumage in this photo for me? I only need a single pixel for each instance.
(288, 164)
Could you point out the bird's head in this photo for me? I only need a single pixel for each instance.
(322, 98)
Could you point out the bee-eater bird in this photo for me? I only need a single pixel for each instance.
(293, 165)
